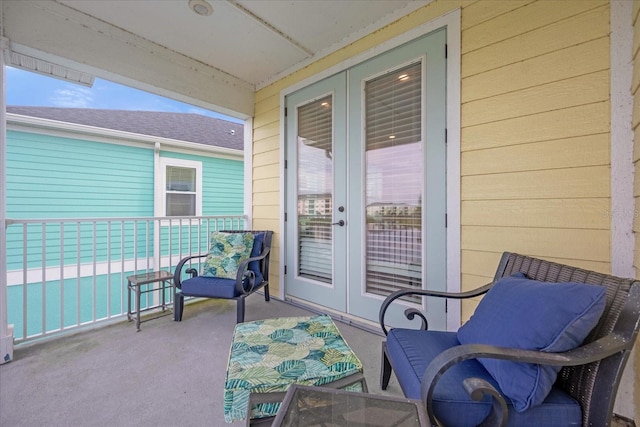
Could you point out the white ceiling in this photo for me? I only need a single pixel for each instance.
(256, 41)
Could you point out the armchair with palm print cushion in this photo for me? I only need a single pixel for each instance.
(236, 266)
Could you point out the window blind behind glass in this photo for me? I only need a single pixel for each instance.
(180, 188)
(315, 189)
(394, 174)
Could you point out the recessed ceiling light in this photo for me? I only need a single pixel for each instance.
(201, 7)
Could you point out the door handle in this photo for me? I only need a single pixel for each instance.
(340, 223)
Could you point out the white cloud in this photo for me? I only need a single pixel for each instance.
(72, 98)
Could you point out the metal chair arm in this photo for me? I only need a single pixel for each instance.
(594, 351)
(410, 313)
(177, 275)
(477, 388)
(243, 272)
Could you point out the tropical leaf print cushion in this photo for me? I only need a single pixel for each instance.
(226, 252)
(269, 355)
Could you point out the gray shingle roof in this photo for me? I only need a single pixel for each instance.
(179, 126)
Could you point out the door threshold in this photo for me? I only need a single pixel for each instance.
(356, 322)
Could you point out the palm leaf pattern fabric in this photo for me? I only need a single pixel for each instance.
(269, 355)
(226, 252)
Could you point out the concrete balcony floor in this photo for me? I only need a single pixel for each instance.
(168, 374)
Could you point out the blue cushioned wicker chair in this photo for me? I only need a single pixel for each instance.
(251, 275)
(546, 346)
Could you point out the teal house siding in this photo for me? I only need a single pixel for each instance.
(62, 175)
(58, 177)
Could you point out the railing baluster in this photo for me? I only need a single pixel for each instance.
(190, 237)
(135, 247)
(88, 267)
(170, 239)
(147, 251)
(61, 275)
(44, 278)
(25, 281)
(78, 275)
(180, 237)
(108, 269)
(123, 286)
(95, 288)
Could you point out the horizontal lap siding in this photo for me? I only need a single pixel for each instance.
(266, 178)
(56, 177)
(535, 113)
(535, 119)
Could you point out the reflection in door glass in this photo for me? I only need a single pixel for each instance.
(315, 189)
(394, 178)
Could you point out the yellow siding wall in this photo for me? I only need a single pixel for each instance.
(635, 89)
(535, 112)
(535, 132)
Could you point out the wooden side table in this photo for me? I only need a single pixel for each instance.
(321, 406)
(135, 283)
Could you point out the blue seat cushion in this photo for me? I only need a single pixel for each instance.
(527, 314)
(210, 287)
(410, 352)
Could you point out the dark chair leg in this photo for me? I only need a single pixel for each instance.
(240, 310)
(178, 306)
(266, 292)
(385, 368)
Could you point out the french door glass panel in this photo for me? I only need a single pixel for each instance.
(315, 189)
(315, 175)
(397, 161)
(393, 172)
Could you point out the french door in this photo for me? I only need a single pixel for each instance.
(366, 180)
(316, 193)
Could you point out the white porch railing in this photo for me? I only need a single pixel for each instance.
(66, 273)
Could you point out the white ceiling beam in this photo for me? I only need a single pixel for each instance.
(272, 28)
(60, 34)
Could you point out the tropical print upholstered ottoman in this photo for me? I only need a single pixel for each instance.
(267, 356)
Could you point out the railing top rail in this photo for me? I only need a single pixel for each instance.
(116, 219)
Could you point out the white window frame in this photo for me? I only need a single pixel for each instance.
(161, 183)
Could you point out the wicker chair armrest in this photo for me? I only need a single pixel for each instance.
(594, 351)
(410, 313)
(177, 275)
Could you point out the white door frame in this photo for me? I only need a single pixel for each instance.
(450, 20)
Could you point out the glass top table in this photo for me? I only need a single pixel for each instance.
(319, 406)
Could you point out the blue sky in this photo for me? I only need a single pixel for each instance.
(25, 88)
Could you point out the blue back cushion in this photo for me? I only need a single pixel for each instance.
(258, 240)
(521, 313)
